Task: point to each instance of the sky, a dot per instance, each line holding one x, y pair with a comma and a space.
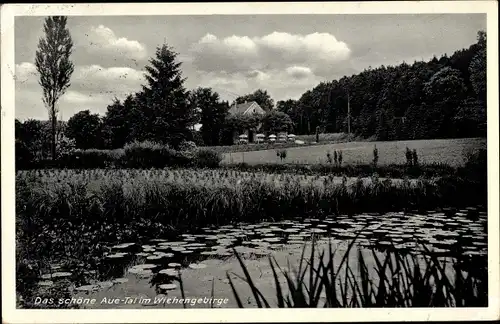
234, 55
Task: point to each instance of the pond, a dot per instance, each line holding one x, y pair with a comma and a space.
144, 274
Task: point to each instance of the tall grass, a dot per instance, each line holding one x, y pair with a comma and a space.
394, 280
179, 198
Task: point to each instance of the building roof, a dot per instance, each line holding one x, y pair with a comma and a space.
241, 108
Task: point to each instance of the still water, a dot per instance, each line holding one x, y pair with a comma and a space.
145, 274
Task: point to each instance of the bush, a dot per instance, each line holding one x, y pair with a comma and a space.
207, 158
281, 154
24, 157
152, 155
415, 157
476, 165
409, 156
89, 159
329, 157
188, 146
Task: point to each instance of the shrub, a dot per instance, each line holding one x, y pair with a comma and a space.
90, 159
207, 158
409, 156
281, 154
476, 164
340, 158
24, 157
151, 155
415, 157
375, 156
329, 157
65, 146
188, 146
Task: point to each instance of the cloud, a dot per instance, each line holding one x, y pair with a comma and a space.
92, 87
102, 40
299, 72
89, 77
26, 72
278, 83
320, 52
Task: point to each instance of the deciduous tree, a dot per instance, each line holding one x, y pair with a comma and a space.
54, 67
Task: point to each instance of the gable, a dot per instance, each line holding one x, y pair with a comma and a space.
240, 108
255, 109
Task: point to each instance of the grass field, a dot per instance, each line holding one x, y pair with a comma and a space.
309, 140
448, 151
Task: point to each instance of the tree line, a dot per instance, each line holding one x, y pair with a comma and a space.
444, 97
441, 98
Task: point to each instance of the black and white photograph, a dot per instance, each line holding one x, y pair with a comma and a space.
160, 158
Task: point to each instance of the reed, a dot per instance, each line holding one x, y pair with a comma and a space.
395, 280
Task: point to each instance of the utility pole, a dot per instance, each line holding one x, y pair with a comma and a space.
348, 114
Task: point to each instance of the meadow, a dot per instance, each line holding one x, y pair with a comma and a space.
69, 218
444, 151
308, 140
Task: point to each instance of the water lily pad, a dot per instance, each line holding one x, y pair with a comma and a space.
169, 272
169, 286
145, 266
122, 246
174, 265
61, 274
197, 266
154, 257
120, 280
291, 230
178, 248
261, 253
116, 256
87, 288
46, 283
142, 254
208, 253
272, 239
195, 245
105, 284
145, 273
475, 253
384, 243
295, 242
187, 251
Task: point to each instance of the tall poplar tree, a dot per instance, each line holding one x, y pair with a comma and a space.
54, 68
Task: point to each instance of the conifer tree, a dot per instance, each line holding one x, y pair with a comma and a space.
167, 114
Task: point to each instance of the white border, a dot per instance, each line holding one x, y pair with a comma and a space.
12, 315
